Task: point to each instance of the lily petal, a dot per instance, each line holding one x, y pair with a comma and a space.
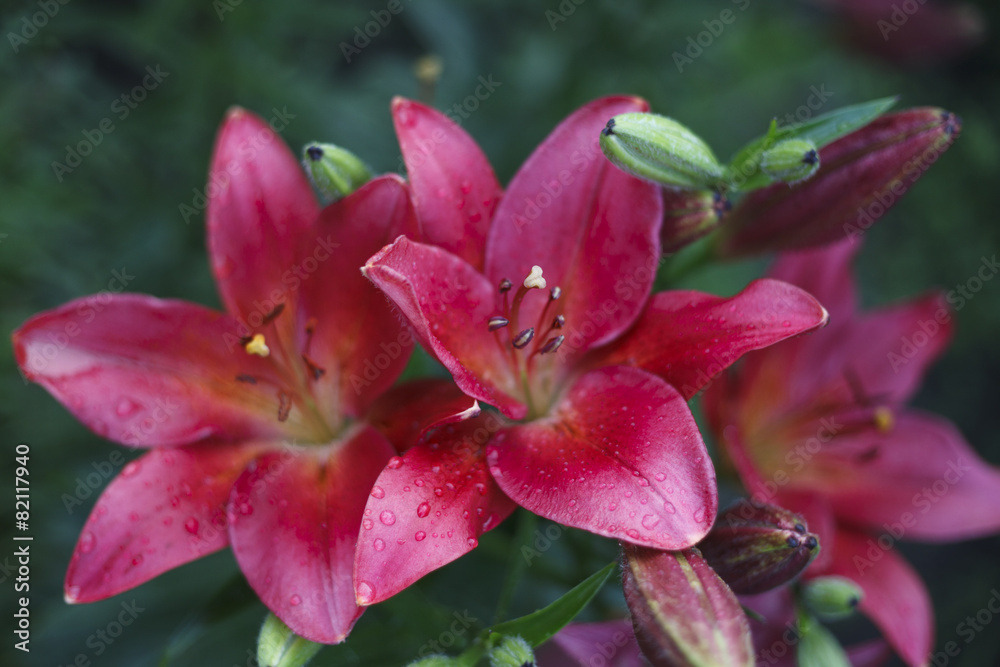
825, 273
921, 479
620, 456
448, 304
260, 206
689, 338
166, 508
356, 337
294, 519
454, 189
592, 228
610, 643
405, 411
143, 371
427, 508
869, 654
895, 599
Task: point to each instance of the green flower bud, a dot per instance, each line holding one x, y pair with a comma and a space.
512, 651
435, 661
790, 161
818, 647
335, 172
832, 598
661, 150
278, 646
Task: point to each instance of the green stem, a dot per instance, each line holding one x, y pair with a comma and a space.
526, 526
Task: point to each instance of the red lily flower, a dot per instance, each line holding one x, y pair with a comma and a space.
541, 308
818, 425
256, 415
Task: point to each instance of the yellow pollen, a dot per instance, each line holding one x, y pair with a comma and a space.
256, 345
884, 420
535, 279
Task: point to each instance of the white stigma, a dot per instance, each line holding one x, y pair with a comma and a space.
535, 279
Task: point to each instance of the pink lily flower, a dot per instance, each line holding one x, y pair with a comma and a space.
537, 301
819, 425
255, 418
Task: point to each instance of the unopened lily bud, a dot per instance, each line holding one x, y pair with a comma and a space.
790, 161
757, 548
861, 176
831, 598
661, 150
335, 172
512, 652
688, 215
683, 614
278, 646
818, 647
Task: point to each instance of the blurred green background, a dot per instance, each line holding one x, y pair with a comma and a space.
63, 235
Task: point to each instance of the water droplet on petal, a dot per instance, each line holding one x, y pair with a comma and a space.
379, 544
669, 507
423, 509
365, 592
368, 524
295, 600
481, 488
130, 469
633, 533
137, 560
649, 521
472, 542
378, 492
419, 536
438, 491
191, 525
394, 463
126, 407
87, 541
418, 482
660, 476
699, 515
387, 517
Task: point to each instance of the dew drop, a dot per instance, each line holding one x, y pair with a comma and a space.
245, 509
660, 476
378, 492
419, 536
387, 517
137, 560
87, 541
612, 507
633, 533
669, 507
786, 323
423, 509
368, 524
699, 516
295, 600
394, 463
130, 469
366, 592
481, 488
191, 525
472, 542
438, 491
126, 407
379, 544
649, 521
418, 482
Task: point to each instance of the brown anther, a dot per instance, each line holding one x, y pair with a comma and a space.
315, 370
523, 338
249, 379
311, 326
552, 344
555, 293
497, 322
559, 322
505, 285
284, 406
273, 314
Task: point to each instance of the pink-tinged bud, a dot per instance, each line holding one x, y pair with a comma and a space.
688, 215
861, 176
757, 548
683, 614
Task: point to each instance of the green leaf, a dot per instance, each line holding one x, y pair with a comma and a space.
829, 127
537, 627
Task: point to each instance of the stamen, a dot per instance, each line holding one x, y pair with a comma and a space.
523, 338
315, 370
552, 344
535, 279
284, 406
249, 379
555, 293
559, 322
273, 314
505, 286
498, 323
884, 419
257, 346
